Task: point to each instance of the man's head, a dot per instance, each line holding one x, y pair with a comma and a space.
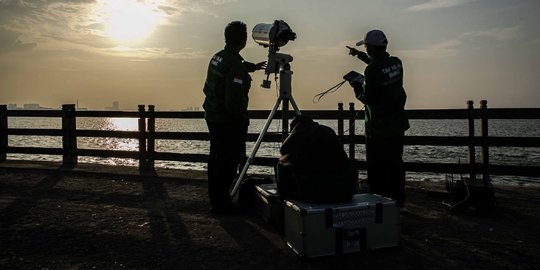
375, 41
236, 35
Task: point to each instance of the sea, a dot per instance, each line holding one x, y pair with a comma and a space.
412, 153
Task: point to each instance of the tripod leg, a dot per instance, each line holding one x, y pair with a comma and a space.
293, 103
255, 148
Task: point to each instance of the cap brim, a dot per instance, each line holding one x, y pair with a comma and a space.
360, 43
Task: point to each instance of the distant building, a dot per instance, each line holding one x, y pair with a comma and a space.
31, 106
115, 106
191, 109
34, 106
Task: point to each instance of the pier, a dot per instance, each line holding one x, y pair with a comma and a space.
71, 215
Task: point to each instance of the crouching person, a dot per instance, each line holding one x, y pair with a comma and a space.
313, 166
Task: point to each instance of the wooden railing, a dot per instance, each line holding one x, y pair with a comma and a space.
147, 136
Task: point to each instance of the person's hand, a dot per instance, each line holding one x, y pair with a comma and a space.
353, 51
356, 84
261, 65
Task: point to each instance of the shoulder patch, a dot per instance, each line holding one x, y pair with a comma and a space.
238, 80
216, 60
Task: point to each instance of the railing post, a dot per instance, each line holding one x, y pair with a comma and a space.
69, 136
351, 131
472, 153
142, 138
485, 144
340, 123
151, 147
3, 133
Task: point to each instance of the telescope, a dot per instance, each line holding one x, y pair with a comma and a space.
274, 35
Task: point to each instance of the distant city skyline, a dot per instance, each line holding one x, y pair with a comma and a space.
115, 107
157, 51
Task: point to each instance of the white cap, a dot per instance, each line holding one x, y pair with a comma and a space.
375, 38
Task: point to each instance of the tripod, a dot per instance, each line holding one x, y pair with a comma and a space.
285, 96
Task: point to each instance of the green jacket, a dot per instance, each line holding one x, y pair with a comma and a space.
384, 97
226, 88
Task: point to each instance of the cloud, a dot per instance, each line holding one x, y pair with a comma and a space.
438, 4
142, 54
9, 42
500, 34
443, 49
449, 48
534, 41
80, 25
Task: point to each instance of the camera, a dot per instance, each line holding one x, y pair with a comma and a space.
273, 35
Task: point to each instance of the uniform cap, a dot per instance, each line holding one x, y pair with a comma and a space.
375, 38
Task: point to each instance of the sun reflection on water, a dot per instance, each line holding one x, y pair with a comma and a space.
125, 124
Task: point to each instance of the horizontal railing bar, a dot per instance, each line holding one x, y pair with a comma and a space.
179, 157
276, 137
108, 134
437, 140
34, 113
514, 170
493, 113
514, 113
32, 150
202, 136
180, 115
437, 114
108, 153
260, 161
111, 114
34, 132
514, 141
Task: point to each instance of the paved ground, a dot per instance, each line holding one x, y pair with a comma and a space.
102, 217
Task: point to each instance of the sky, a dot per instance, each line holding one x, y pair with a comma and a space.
94, 52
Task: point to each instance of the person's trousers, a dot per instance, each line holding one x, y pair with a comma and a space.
227, 141
385, 169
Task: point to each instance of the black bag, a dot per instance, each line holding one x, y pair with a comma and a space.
246, 193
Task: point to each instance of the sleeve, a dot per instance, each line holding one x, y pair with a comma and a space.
364, 57
250, 67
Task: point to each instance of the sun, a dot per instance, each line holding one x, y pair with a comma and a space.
129, 21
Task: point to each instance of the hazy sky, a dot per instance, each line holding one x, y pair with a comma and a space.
156, 52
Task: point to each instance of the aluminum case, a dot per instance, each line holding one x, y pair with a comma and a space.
368, 221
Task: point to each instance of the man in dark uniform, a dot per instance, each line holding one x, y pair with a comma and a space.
226, 89
385, 121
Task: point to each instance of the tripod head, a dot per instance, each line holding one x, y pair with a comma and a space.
277, 62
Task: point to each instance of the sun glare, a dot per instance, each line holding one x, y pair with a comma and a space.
128, 124
129, 21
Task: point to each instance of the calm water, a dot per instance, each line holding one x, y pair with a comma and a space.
447, 154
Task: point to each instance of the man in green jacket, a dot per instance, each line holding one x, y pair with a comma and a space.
385, 121
226, 89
